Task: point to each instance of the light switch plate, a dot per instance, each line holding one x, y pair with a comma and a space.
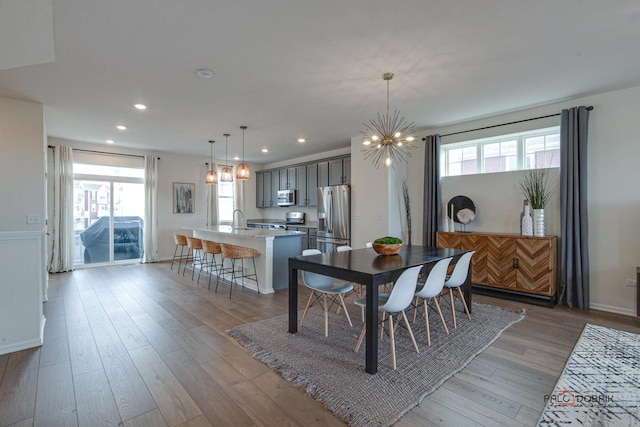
33, 219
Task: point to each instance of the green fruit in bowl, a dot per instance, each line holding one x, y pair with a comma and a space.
388, 240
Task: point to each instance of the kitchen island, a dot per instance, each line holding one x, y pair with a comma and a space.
275, 247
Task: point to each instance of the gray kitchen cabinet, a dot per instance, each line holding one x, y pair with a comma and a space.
275, 186
267, 187
307, 182
259, 190
323, 174
340, 171
287, 179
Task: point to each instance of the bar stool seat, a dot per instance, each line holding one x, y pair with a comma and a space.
181, 242
211, 263
235, 253
195, 249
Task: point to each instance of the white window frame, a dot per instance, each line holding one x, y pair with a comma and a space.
220, 197
480, 144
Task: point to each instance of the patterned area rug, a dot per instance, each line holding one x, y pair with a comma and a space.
330, 371
600, 385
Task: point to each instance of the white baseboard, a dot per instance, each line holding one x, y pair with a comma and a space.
17, 346
613, 309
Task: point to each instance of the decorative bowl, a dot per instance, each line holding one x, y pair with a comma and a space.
383, 249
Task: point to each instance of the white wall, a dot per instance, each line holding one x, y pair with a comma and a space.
22, 191
22, 144
613, 194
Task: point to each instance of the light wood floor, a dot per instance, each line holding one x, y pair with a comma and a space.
141, 345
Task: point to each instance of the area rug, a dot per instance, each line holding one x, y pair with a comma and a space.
330, 371
600, 384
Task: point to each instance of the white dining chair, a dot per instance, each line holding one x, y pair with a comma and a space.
326, 290
428, 291
455, 281
395, 302
359, 289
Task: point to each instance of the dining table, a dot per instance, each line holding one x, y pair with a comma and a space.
367, 268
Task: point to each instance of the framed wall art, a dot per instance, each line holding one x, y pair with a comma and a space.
183, 197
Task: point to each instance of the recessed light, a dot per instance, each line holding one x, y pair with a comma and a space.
301, 140
204, 73
110, 141
140, 106
121, 127
265, 150
236, 157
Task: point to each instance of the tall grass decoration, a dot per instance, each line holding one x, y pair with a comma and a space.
537, 187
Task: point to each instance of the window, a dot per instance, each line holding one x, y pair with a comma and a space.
225, 201
524, 150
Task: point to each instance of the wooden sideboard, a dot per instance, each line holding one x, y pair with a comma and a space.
511, 264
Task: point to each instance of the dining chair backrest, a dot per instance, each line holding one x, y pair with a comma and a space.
460, 271
435, 280
403, 290
315, 280
344, 248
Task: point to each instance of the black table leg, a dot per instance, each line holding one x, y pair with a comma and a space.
466, 288
293, 300
371, 338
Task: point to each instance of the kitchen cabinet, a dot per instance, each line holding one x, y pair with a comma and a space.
307, 182
509, 262
304, 178
259, 190
323, 174
275, 186
337, 174
287, 179
267, 189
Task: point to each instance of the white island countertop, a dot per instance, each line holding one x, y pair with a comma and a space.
275, 248
248, 232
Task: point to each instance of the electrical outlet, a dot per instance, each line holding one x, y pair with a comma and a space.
33, 219
630, 282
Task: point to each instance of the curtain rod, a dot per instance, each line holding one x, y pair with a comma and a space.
105, 152
504, 124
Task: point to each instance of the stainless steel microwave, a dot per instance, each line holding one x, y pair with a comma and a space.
286, 197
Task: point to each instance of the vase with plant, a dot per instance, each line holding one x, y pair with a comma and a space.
537, 188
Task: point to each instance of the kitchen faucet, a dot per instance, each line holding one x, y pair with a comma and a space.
233, 218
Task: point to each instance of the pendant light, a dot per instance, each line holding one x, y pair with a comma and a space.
385, 137
226, 175
243, 173
212, 175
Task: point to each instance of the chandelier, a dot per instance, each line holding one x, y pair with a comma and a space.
226, 175
386, 137
212, 176
242, 172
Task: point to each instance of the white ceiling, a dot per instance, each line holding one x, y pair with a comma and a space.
305, 68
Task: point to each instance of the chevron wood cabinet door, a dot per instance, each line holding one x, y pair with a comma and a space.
523, 264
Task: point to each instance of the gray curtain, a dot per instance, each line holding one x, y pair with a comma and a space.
574, 233
432, 209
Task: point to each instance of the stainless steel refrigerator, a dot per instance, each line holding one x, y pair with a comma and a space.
334, 217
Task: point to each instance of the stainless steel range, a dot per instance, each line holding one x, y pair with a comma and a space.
292, 218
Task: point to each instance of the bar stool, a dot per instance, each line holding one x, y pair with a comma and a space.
241, 253
195, 249
181, 242
213, 249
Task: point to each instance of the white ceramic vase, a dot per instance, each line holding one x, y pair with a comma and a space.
526, 225
538, 222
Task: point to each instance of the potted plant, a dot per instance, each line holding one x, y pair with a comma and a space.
537, 188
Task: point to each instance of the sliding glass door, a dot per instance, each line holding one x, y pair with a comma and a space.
108, 215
